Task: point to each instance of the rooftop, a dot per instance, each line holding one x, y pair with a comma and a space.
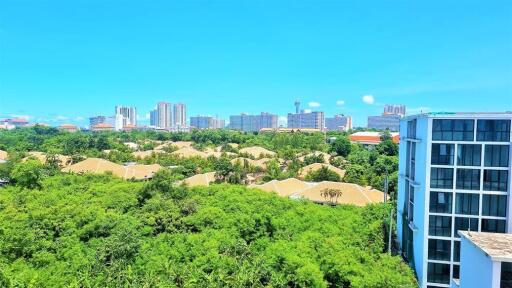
496, 245
441, 114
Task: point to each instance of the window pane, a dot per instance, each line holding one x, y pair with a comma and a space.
452, 130
440, 202
493, 130
439, 249
441, 178
438, 273
466, 203
496, 155
442, 154
496, 180
440, 226
456, 251
493, 225
456, 271
494, 205
468, 179
506, 274
464, 224
469, 155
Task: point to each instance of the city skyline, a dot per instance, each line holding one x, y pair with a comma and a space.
234, 57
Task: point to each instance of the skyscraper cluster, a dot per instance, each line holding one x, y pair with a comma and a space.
169, 116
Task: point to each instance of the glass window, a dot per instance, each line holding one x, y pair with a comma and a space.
439, 249
411, 129
496, 155
456, 251
442, 154
440, 226
494, 205
469, 154
506, 275
438, 273
493, 130
456, 271
452, 130
464, 224
466, 203
493, 225
440, 202
468, 179
496, 180
441, 178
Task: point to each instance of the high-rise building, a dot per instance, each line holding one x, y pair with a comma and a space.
164, 115
128, 115
307, 120
338, 123
93, 121
297, 106
153, 118
253, 123
180, 115
206, 122
394, 110
454, 175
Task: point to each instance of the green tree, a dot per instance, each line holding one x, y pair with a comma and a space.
341, 146
323, 174
28, 174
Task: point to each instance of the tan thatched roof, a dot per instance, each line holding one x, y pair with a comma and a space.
351, 194
296, 189
131, 145
257, 151
285, 187
98, 166
187, 152
144, 154
41, 156
317, 166
324, 155
3, 155
200, 179
178, 144
261, 163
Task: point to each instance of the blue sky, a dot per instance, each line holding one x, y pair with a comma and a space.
63, 61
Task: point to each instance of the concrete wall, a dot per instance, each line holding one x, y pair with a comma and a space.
477, 270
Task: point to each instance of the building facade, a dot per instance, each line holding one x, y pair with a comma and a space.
338, 123
179, 115
252, 123
206, 122
394, 110
128, 115
164, 115
384, 122
311, 120
454, 175
153, 118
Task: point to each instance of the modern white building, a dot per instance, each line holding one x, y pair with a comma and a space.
128, 115
307, 119
252, 123
393, 109
164, 115
455, 175
179, 115
485, 260
206, 122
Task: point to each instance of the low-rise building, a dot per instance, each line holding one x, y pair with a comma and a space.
371, 138
102, 127
68, 127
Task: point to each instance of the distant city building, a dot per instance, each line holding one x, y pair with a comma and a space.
384, 122
102, 127
68, 127
297, 106
11, 123
371, 138
289, 130
310, 120
153, 118
253, 123
338, 123
164, 115
455, 180
128, 114
180, 115
394, 110
206, 122
93, 121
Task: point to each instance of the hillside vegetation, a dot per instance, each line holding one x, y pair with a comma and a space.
99, 231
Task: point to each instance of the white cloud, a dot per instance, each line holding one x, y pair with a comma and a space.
79, 118
368, 99
314, 104
26, 117
340, 102
307, 110
60, 118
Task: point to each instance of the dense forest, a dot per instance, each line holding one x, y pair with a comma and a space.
98, 231
65, 230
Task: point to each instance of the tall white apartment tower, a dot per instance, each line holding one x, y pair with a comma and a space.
454, 175
129, 114
164, 115
180, 115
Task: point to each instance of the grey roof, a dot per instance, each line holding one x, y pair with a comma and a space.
496, 245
